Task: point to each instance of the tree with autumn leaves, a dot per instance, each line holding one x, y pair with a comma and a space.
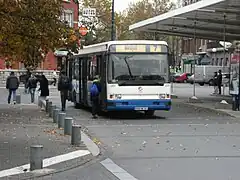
30, 28
100, 30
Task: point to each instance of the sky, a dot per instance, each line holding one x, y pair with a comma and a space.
120, 5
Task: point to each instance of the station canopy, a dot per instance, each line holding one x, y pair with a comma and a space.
206, 19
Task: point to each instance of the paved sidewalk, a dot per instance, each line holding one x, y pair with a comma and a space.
24, 125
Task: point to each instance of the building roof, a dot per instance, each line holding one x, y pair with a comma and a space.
205, 19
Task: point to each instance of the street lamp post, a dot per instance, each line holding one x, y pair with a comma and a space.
113, 22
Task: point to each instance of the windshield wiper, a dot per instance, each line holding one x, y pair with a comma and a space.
129, 69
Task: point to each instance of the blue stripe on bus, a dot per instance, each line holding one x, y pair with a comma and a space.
151, 104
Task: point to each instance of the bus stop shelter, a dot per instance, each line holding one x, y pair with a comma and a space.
206, 19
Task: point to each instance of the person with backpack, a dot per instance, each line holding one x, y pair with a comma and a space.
32, 85
64, 86
94, 93
12, 85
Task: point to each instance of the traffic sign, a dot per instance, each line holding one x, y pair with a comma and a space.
83, 30
89, 12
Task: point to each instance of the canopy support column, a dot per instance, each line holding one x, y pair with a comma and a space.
194, 98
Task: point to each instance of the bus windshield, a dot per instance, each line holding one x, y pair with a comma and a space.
135, 67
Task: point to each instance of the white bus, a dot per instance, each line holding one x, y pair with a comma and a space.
134, 75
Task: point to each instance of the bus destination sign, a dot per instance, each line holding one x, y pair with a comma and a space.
138, 48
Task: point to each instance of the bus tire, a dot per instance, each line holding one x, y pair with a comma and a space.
149, 113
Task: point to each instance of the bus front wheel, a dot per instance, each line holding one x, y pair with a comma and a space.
149, 113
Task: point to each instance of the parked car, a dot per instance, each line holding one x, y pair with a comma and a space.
182, 78
225, 79
173, 76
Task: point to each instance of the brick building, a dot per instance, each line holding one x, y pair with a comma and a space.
70, 15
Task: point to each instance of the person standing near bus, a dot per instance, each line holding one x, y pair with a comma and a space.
32, 85
95, 92
219, 82
64, 86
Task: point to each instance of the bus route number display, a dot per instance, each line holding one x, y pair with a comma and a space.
136, 48
130, 48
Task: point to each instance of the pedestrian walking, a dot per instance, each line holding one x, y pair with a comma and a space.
44, 90
12, 85
28, 75
32, 85
215, 86
54, 77
95, 92
219, 82
64, 85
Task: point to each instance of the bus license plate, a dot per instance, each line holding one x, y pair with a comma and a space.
141, 108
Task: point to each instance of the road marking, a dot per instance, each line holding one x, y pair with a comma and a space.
139, 125
116, 170
46, 162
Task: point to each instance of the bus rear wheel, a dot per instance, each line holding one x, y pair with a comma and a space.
149, 113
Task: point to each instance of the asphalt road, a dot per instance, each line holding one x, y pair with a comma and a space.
185, 143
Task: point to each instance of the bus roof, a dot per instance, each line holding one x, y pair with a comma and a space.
101, 47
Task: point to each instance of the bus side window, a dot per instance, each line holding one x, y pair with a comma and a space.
92, 66
89, 70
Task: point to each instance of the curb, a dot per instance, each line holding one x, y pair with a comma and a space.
67, 165
92, 147
54, 169
219, 111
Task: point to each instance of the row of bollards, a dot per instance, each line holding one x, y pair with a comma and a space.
63, 122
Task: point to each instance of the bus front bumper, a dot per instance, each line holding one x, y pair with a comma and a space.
139, 105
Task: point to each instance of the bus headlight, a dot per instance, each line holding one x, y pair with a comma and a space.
118, 96
162, 96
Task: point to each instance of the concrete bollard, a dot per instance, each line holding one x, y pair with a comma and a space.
68, 125
61, 118
36, 157
52, 107
76, 135
55, 115
48, 106
18, 99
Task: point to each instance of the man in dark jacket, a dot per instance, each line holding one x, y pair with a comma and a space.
32, 85
219, 81
28, 75
12, 85
64, 85
215, 83
95, 92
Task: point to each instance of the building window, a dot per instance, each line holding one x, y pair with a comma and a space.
221, 62
226, 62
67, 16
216, 63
